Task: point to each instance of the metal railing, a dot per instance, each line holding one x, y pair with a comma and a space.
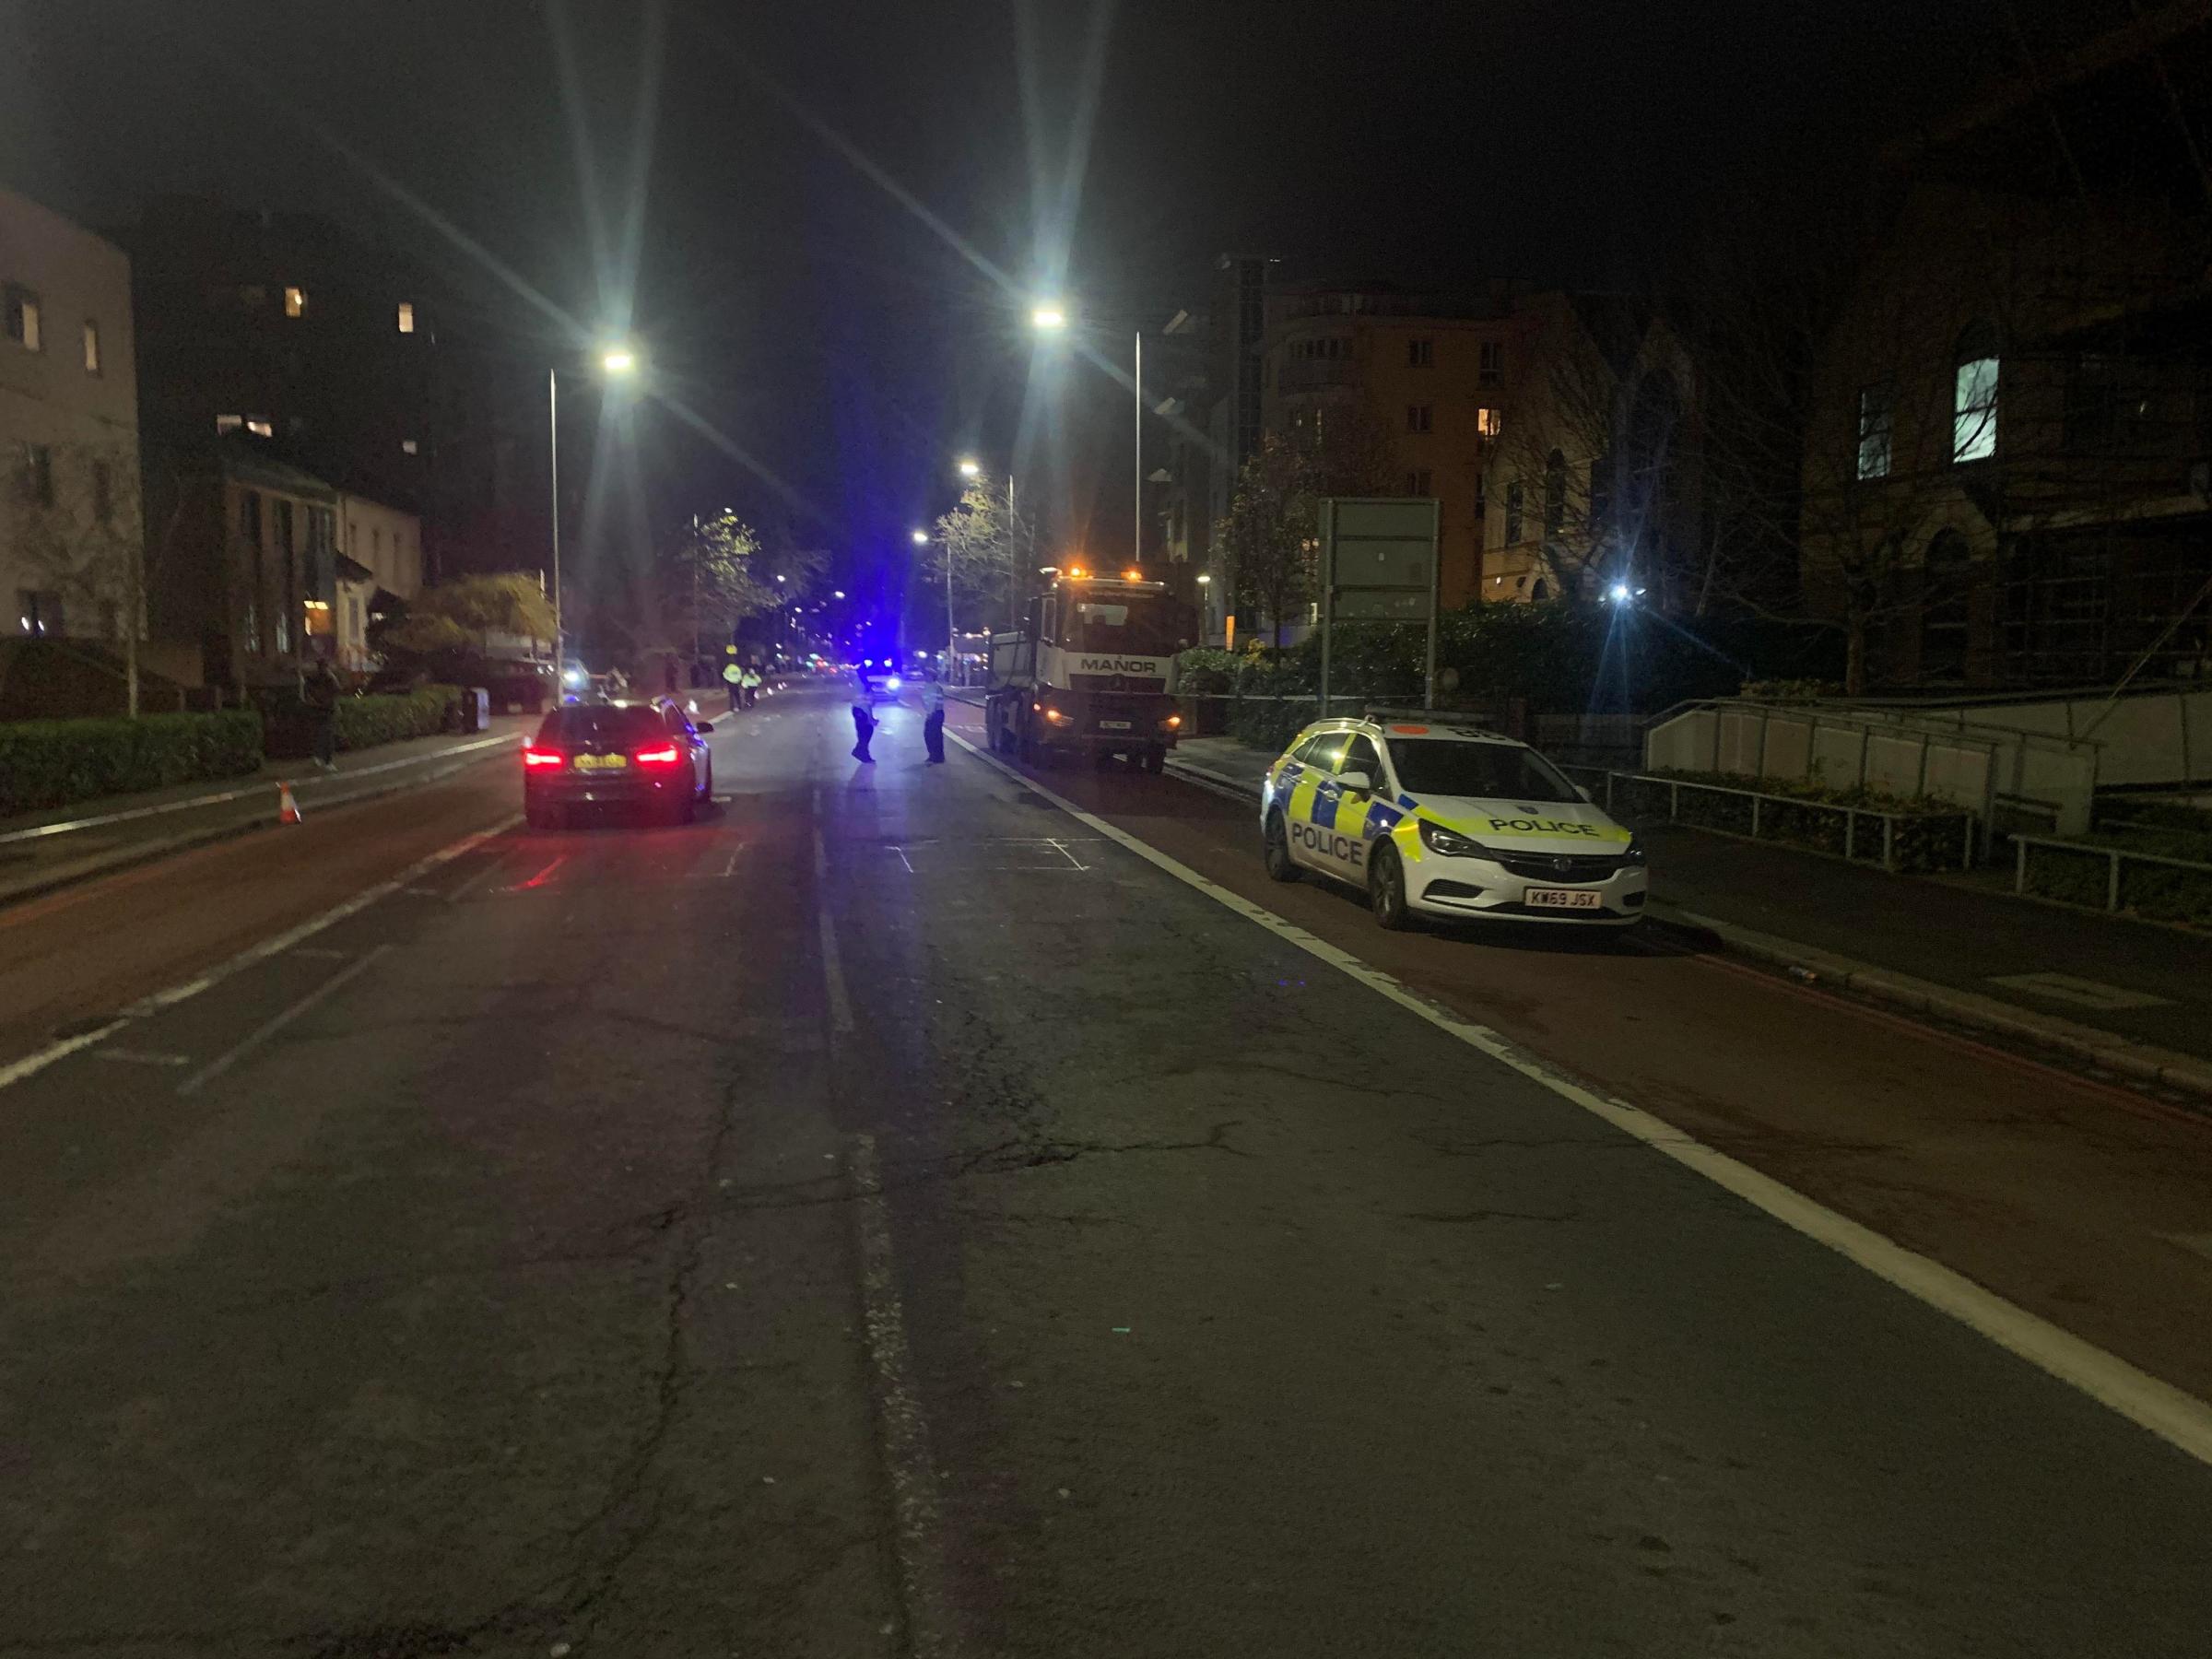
1859, 823
2117, 859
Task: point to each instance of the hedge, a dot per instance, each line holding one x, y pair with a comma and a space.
48, 763
363, 722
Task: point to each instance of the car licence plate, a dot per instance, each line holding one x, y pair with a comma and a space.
1114, 725
601, 762
1564, 898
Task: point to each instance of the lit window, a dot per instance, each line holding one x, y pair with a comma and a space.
91, 346
261, 429
1975, 395
407, 446
295, 302
229, 423
406, 316
23, 313
1488, 422
1492, 363
1876, 430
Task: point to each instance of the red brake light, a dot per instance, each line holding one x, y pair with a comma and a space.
534, 756
660, 756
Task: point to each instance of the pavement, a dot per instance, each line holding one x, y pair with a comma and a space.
930, 1211
2133, 997
40, 851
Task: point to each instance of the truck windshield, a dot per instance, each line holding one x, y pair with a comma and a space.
1150, 625
1486, 772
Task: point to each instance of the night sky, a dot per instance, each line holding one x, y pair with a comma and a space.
691, 166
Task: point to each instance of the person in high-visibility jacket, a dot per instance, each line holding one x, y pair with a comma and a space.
734, 677
753, 681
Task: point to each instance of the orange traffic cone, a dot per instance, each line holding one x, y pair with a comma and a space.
287, 809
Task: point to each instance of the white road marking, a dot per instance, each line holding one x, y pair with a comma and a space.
2199, 1244
32, 1064
141, 1056
904, 1431
277, 1022
2084, 992
2180, 1419
834, 970
322, 952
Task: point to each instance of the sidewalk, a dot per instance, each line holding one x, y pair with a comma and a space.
43, 849
2134, 997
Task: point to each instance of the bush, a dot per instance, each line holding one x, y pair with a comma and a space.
2156, 893
54, 762
363, 722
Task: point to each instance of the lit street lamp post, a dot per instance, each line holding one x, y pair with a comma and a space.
1053, 319
616, 362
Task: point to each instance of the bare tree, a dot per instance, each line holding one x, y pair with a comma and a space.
1270, 537
71, 512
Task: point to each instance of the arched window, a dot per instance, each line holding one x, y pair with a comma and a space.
1975, 395
1541, 591
1555, 497
1946, 585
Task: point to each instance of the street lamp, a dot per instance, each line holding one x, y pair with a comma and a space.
1053, 319
971, 468
617, 362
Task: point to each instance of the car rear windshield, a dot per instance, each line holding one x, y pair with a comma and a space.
581, 723
1441, 766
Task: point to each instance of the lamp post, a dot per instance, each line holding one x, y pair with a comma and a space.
616, 362
1053, 319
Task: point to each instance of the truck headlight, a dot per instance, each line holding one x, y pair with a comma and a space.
1056, 717
1450, 843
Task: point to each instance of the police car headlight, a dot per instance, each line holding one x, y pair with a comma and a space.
1632, 855
1448, 843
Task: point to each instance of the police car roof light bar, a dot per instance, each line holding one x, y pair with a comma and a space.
1473, 719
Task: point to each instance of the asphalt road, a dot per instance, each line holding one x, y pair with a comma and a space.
892, 1216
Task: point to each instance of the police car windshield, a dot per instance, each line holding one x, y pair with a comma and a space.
1440, 766
1145, 625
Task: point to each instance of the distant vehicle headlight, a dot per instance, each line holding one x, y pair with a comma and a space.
893, 682
574, 676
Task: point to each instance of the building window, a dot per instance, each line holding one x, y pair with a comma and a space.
1555, 498
103, 492
38, 612
1541, 591
281, 522
34, 474
1946, 583
1417, 482
229, 423
1975, 395
1420, 354
295, 302
1482, 495
1513, 513
1490, 367
259, 427
406, 316
407, 446
91, 346
1420, 417
249, 518
1488, 423
23, 313
1877, 428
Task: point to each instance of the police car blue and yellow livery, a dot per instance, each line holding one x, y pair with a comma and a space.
1445, 820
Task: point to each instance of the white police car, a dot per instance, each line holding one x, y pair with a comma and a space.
1444, 820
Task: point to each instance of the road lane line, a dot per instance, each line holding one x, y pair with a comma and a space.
2178, 1417
32, 1064
833, 970
277, 1022
141, 1057
902, 1430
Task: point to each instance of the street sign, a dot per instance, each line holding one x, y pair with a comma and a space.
1378, 564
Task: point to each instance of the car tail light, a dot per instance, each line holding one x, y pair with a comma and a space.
659, 756
534, 756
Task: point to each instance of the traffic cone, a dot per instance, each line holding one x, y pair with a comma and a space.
287, 809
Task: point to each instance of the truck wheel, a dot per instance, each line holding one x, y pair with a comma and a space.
1025, 745
1276, 840
1100, 760
1156, 759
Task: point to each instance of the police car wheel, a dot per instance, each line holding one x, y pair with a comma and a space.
1155, 760
1386, 892
1277, 839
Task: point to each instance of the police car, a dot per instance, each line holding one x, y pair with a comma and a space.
1433, 819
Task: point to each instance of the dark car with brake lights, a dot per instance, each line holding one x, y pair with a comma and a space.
649, 756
